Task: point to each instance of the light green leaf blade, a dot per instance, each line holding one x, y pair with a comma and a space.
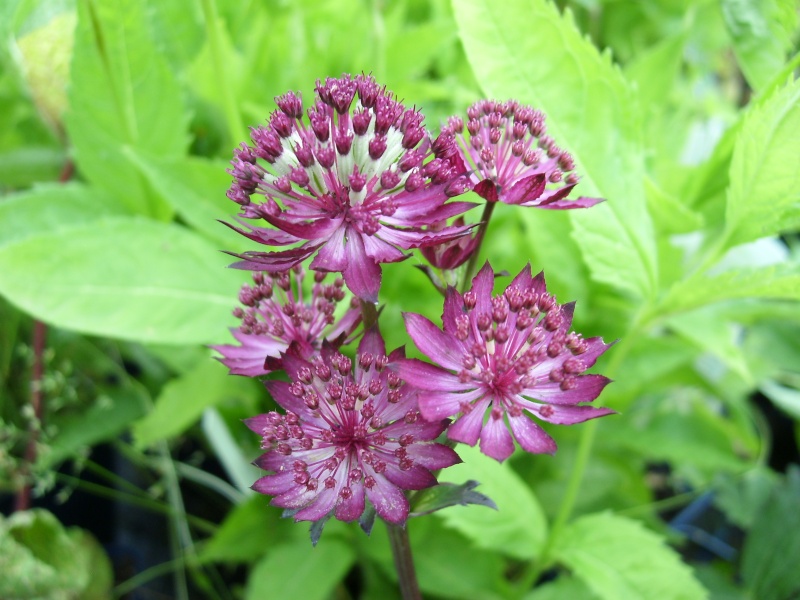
781, 281
761, 31
764, 192
591, 111
195, 188
52, 207
518, 526
621, 560
298, 570
183, 400
122, 93
126, 278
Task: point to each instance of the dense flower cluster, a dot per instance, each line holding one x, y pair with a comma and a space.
352, 431
354, 185
512, 159
505, 356
276, 315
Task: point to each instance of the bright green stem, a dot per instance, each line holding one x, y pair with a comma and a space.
236, 129
469, 273
404, 562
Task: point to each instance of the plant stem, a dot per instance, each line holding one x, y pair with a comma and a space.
23, 499
404, 562
398, 536
469, 272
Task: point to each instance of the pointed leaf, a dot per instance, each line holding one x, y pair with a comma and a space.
590, 111
449, 494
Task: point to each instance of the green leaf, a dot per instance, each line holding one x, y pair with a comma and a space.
297, 570
619, 559
656, 70
742, 497
42, 559
762, 33
50, 208
183, 400
518, 526
780, 281
195, 188
705, 329
670, 214
561, 588
785, 398
240, 537
769, 556
125, 278
590, 111
764, 191
122, 94
449, 494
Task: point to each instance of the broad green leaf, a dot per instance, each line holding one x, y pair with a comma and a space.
713, 334
298, 570
785, 398
742, 497
590, 111
685, 430
42, 559
122, 94
183, 400
762, 32
126, 278
518, 526
240, 537
764, 192
670, 214
51, 207
656, 70
619, 559
778, 281
769, 556
560, 589
195, 188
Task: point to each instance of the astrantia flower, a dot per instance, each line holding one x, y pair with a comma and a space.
276, 314
512, 159
501, 357
352, 431
353, 184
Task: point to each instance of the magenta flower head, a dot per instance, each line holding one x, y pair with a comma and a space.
354, 185
512, 159
352, 432
499, 358
277, 314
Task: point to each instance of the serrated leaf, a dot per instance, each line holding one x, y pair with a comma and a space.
778, 281
761, 31
590, 111
122, 93
517, 528
126, 278
769, 556
764, 192
183, 400
619, 559
298, 570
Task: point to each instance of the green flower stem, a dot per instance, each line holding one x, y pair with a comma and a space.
236, 129
469, 272
404, 562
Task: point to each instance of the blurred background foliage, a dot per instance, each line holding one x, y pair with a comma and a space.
117, 120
